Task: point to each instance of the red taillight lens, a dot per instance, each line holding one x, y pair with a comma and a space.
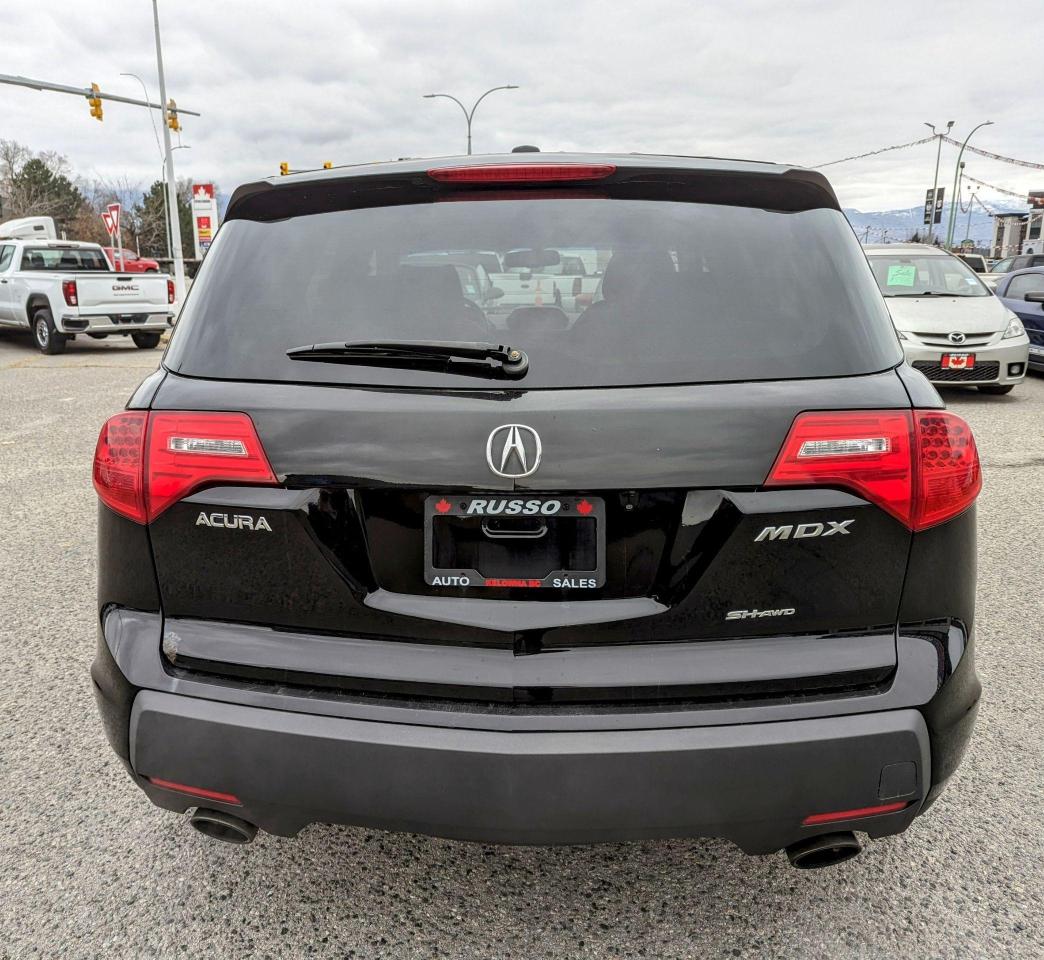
921, 466
949, 476
69, 292
189, 450
170, 291
523, 173
856, 814
145, 462
119, 460
867, 452
200, 792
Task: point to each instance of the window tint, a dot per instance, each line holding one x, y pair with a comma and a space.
596, 291
1028, 283
6, 256
63, 259
909, 276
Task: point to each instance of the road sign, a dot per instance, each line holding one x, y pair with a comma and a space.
936, 206
111, 219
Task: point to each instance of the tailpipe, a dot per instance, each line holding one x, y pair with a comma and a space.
219, 825
826, 850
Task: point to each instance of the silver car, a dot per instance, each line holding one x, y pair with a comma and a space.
952, 327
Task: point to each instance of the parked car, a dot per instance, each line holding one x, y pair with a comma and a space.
132, 263
951, 326
1008, 264
976, 261
700, 561
1022, 292
59, 290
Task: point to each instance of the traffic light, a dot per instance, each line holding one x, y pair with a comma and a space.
95, 102
172, 117
284, 169
327, 164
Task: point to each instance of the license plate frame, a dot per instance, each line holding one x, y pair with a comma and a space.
448, 517
957, 361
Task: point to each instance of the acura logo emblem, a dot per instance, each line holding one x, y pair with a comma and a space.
957, 337
513, 451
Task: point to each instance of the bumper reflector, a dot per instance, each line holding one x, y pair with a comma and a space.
200, 792
858, 813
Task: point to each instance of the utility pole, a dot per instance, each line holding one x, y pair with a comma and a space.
971, 205
469, 115
172, 188
956, 172
935, 179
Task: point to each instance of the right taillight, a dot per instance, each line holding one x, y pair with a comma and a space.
170, 291
921, 466
145, 462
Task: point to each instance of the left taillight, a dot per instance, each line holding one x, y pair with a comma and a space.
170, 291
145, 462
119, 460
70, 293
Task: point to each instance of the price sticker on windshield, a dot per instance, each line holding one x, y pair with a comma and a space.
902, 275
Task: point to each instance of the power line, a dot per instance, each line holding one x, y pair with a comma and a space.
997, 156
874, 153
996, 189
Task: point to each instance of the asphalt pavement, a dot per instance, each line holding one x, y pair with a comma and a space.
88, 868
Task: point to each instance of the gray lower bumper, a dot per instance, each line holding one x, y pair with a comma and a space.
153, 322
751, 783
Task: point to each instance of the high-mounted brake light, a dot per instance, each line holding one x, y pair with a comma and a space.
70, 293
523, 173
921, 466
145, 462
170, 291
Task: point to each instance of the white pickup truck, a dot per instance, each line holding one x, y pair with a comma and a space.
59, 289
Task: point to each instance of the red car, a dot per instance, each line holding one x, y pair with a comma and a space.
132, 263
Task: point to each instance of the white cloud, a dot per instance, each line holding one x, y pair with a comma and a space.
803, 82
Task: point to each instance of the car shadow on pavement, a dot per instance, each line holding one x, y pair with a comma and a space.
655, 899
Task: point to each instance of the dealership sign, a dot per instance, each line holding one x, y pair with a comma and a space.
204, 217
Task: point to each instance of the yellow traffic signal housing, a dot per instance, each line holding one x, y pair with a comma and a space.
284, 169
95, 102
172, 116
327, 165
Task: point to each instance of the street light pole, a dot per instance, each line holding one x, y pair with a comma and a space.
163, 175
172, 189
956, 173
935, 180
971, 206
469, 115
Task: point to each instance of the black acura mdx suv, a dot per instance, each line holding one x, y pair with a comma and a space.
658, 537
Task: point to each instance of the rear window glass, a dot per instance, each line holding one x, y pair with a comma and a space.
597, 292
63, 260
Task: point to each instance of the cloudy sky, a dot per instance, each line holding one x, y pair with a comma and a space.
801, 81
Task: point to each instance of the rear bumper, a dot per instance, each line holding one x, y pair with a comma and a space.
152, 322
750, 773
752, 784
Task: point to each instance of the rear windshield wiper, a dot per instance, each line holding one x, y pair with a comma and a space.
491, 360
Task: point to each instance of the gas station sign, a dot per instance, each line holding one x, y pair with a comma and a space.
204, 217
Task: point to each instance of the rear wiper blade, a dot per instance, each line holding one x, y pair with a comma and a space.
476, 359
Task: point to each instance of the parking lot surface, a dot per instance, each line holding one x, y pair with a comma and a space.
89, 868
